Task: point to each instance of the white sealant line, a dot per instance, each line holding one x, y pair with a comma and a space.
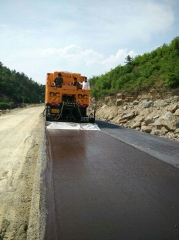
72, 126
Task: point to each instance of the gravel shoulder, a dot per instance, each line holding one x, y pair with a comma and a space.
21, 136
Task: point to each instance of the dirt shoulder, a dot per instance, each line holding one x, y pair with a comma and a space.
20, 139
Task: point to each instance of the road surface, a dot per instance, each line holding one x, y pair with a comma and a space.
111, 184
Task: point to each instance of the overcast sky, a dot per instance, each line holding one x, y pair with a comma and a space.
83, 36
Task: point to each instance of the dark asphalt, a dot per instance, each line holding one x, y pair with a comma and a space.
99, 187
164, 149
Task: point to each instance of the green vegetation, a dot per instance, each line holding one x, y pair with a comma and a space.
157, 69
4, 105
16, 88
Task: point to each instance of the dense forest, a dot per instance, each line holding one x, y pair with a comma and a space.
16, 89
158, 69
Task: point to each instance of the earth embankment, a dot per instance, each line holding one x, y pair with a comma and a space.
20, 138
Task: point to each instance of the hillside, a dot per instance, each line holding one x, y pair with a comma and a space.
16, 88
143, 94
158, 69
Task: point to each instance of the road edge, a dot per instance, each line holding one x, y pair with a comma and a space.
37, 210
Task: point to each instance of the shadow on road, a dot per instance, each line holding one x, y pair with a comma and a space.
102, 124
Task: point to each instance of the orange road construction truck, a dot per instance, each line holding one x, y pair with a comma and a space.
67, 103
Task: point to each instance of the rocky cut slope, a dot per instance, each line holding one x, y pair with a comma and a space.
152, 113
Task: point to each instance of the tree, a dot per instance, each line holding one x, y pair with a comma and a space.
129, 59
17, 87
175, 43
